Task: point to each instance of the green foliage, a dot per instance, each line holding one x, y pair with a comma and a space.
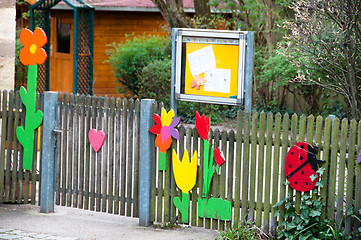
21, 70
155, 81
239, 231
308, 222
129, 58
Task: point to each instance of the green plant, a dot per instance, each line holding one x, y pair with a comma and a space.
129, 58
239, 231
308, 222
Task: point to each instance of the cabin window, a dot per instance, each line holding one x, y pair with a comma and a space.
63, 37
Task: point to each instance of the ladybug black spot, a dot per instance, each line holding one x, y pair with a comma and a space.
302, 172
291, 153
301, 157
306, 183
296, 183
302, 146
289, 166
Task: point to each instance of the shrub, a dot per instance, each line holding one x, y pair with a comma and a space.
129, 58
155, 81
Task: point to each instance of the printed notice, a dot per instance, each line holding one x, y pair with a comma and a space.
201, 60
218, 80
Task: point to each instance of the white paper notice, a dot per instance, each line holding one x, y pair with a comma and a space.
218, 80
201, 60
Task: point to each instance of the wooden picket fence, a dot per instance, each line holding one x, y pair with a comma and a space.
252, 177
16, 184
105, 181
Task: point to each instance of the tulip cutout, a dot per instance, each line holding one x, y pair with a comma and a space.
213, 207
165, 129
203, 125
185, 175
218, 157
32, 54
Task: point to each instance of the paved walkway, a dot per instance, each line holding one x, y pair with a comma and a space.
20, 221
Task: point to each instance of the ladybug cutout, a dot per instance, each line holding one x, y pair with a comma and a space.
300, 164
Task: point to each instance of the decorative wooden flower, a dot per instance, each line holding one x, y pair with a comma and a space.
203, 125
185, 175
218, 158
33, 53
165, 129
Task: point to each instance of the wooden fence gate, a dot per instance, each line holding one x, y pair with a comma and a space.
106, 180
16, 184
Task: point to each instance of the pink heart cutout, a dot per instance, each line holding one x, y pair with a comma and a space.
96, 139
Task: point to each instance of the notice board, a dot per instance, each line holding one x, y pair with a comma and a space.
210, 66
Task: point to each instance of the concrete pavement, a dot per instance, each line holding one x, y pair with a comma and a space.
21, 221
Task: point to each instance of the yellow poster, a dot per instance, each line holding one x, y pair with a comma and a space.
211, 69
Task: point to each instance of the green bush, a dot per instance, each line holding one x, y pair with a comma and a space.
155, 81
129, 58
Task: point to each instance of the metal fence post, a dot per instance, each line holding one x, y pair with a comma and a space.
48, 152
145, 161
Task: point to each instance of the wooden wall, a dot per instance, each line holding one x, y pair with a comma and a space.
112, 27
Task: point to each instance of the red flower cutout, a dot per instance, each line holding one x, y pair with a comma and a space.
32, 53
203, 125
163, 145
218, 156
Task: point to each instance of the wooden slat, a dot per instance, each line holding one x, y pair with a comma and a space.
15, 180
124, 156
88, 102
130, 156
275, 173
9, 141
261, 160
173, 188
252, 172
136, 160
333, 169
230, 167
357, 206
222, 188
64, 149
104, 170
326, 157
215, 178
237, 179
245, 166
301, 138
59, 133
293, 140
99, 156
350, 185
194, 195
111, 155
200, 176
76, 151
82, 151
70, 147
341, 171
267, 180
3, 145
21, 170
93, 156
282, 192
117, 155
154, 170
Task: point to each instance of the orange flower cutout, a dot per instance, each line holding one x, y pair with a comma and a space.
32, 53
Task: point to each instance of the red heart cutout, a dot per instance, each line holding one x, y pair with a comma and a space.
96, 139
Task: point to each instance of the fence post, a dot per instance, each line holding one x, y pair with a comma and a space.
145, 161
48, 152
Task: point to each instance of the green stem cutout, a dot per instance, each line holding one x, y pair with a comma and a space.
33, 118
183, 206
162, 161
208, 168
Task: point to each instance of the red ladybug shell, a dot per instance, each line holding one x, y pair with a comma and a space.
300, 164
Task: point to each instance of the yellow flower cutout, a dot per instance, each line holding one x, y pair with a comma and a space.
185, 172
166, 118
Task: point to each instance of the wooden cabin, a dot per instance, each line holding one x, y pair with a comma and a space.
113, 20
